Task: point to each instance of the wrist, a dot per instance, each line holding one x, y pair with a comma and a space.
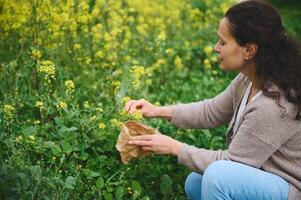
164, 112
176, 148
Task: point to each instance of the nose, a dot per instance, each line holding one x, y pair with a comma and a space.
217, 47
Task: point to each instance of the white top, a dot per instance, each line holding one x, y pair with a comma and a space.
243, 105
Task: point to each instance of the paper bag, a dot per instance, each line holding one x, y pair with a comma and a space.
128, 130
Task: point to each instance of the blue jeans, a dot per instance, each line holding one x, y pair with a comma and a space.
231, 180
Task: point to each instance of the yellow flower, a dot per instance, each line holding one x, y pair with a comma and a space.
115, 123
208, 50
86, 105
77, 46
62, 105
36, 122
162, 36
47, 67
36, 54
8, 111
123, 113
207, 64
39, 105
69, 86
213, 59
138, 71
101, 125
169, 51
32, 137
178, 62
137, 115
125, 100
19, 138
99, 109
99, 54
136, 83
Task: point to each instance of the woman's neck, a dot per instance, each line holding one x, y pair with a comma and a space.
249, 71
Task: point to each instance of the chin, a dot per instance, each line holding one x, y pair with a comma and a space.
223, 67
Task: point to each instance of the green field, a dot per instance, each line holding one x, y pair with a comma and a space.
68, 67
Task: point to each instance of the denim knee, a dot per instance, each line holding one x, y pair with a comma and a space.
214, 175
193, 185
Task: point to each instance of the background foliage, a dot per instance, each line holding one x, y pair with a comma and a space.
68, 67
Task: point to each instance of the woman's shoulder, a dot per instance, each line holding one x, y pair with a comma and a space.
273, 108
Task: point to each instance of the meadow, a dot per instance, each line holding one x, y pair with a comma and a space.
67, 69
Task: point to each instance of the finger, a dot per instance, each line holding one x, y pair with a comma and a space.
143, 137
140, 142
128, 105
137, 105
147, 148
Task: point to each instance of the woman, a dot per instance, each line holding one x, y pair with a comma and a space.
262, 105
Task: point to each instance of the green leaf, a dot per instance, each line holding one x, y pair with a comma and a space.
66, 147
136, 187
100, 183
36, 171
107, 195
56, 150
27, 196
31, 130
166, 184
119, 192
70, 182
91, 174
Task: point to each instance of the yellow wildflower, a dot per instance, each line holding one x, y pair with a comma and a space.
99, 109
48, 68
86, 105
138, 71
125, 100
8, 111
169, 51
136, 83
213, 59
178, 62
137, 115
19, 138
162, 36
115, 123
39, 105
207, 64
208, 50
32, 137
101, 125
62, 105
69, 86
36, 54
77, 46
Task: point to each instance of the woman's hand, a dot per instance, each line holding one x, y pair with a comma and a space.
147, 109
159, 144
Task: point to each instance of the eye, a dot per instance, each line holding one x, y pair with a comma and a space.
222, 43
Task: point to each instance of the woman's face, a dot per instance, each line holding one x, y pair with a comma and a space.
230, 54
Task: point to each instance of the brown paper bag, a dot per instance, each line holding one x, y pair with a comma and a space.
128, 130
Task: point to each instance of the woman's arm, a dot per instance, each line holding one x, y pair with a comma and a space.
209, 113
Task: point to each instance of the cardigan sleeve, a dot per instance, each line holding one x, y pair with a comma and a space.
208, 113
261, 133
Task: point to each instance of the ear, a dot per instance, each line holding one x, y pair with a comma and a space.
250, 50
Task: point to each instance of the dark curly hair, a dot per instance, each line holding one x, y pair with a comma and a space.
278, 57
